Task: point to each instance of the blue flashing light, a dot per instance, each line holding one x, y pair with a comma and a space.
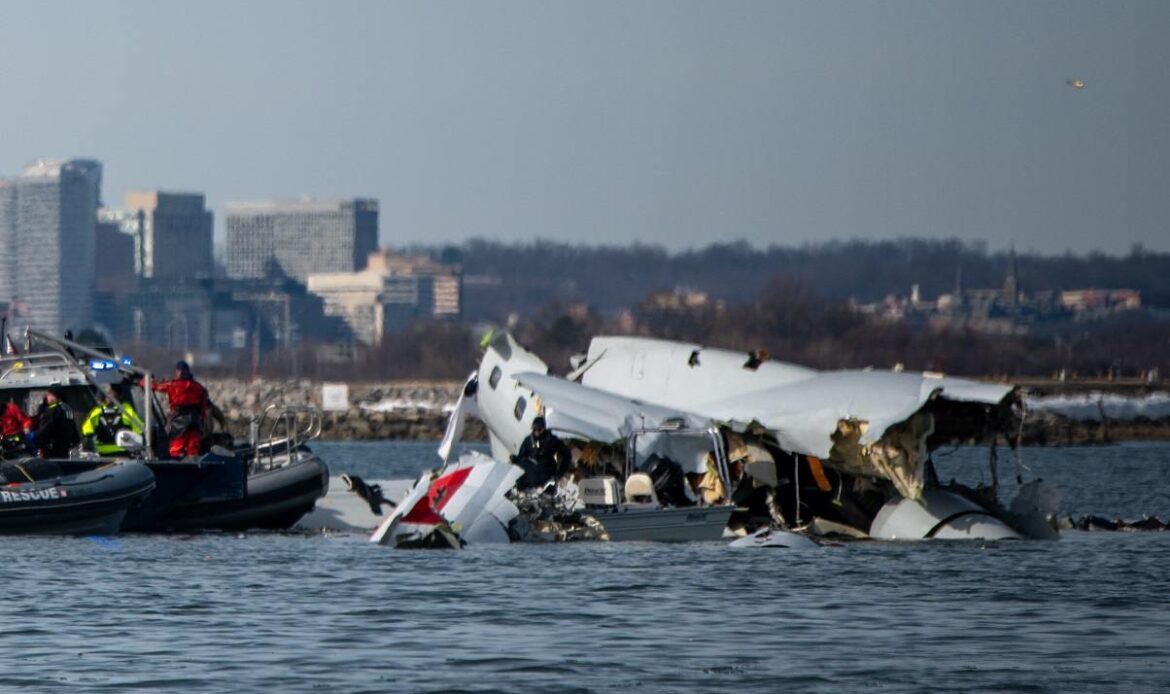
102, 364
127, 361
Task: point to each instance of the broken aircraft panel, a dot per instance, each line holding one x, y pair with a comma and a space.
875, 423
463, 502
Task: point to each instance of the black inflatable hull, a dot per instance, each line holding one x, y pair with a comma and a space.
89, 502
182, 484
275, 499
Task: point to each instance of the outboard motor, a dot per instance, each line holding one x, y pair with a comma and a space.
669, 481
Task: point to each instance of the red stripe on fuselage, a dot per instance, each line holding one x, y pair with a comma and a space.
445, 487
426, 510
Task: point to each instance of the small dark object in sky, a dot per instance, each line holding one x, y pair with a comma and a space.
694, 360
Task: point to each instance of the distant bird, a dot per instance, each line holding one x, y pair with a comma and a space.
1075, 83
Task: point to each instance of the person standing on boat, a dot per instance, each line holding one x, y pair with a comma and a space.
101, 426
189, 403
542, 456
56, 431
14, 429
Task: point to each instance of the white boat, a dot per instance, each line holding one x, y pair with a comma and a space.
641, 523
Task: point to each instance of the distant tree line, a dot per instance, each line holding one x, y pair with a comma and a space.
794, 323
523, 277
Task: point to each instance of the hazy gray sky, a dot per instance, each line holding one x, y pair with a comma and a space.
668, 122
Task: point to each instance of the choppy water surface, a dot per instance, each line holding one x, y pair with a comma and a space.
264, 612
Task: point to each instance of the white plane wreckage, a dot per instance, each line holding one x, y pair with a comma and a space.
680, 442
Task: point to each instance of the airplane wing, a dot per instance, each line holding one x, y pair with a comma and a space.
871, 423
598, 415
802, 406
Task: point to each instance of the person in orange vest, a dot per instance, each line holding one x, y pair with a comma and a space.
189, 403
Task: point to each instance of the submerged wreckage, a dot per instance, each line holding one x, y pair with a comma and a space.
680, 442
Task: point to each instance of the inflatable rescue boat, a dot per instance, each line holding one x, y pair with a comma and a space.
60, 498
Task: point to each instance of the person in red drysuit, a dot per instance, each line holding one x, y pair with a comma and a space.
14, 428
189, 404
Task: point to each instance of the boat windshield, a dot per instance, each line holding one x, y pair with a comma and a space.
79, 397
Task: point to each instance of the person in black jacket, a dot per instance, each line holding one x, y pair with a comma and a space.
542, 456
56, 431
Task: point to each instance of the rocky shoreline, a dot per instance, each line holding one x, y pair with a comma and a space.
401, 410
1049, 429
418, 410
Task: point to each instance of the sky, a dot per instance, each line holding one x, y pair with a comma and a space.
667, 122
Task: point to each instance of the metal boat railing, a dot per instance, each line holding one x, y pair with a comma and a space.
19, 365
279, 432
288, 427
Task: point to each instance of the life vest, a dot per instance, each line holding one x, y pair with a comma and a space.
103, 424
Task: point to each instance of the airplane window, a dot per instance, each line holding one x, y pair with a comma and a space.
521, 405
494, 378
499, 342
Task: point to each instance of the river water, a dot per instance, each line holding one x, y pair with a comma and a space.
285, 612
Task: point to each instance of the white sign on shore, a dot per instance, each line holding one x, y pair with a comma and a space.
334, 397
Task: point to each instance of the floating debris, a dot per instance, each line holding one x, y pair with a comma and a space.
1091, 522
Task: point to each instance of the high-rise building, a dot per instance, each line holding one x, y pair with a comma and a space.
171, 232
53, 238
297, 238
7, 240
114, 280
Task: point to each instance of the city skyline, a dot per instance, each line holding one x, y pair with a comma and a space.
220, 242
678, 124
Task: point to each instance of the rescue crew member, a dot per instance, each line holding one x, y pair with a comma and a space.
189, 403
542, 456
101, 427
14, 429
56, 431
